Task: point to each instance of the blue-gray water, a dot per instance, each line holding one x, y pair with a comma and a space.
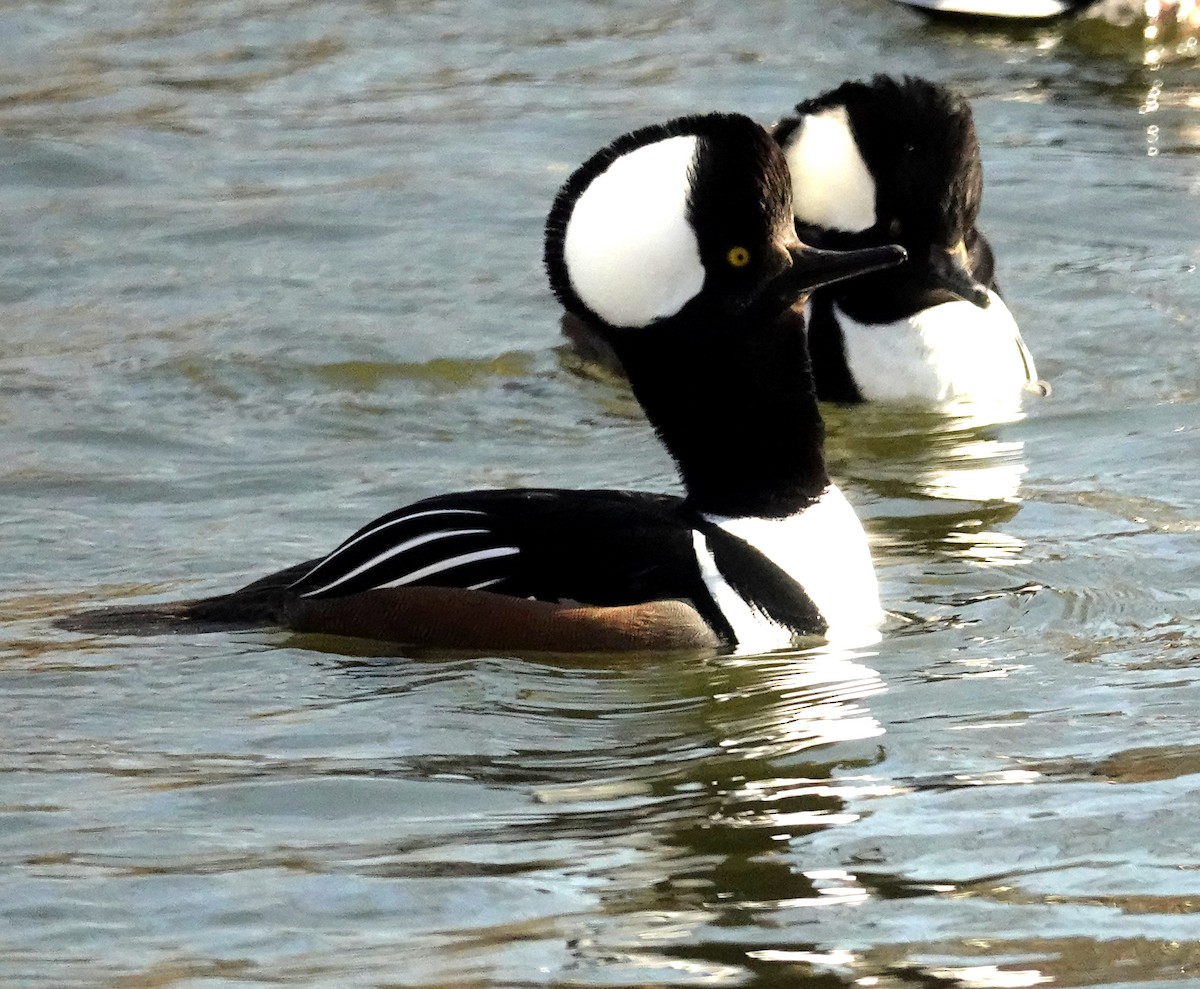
268, 269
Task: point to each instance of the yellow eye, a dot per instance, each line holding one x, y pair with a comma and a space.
738, 257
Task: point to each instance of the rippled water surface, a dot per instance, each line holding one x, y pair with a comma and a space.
270, 269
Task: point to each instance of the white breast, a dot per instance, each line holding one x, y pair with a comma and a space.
824, 549
947, 352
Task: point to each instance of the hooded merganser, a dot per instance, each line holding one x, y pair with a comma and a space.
898, 161
1009, 9
676, 243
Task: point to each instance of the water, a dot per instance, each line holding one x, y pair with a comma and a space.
270, 269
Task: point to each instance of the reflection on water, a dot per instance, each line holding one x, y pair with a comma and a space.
920, 453
671, 801
772, 754
932, 482
977, 469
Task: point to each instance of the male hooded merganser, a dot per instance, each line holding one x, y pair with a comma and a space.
898, 161
675, 242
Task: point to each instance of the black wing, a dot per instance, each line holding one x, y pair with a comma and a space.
594, 547
444, 545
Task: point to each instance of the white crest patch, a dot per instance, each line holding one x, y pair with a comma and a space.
630, 252
824, 549
831, 186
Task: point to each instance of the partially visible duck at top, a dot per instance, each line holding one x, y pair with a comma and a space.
897, 161
1025, 10
1162, 16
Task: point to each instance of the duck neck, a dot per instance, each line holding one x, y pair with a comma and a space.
740, 419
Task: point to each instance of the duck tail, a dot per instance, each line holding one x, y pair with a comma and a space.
259, 604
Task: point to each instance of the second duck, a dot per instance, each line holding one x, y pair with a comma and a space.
897, 161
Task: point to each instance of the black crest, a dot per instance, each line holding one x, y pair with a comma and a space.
918, 140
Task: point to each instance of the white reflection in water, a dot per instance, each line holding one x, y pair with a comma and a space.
991, 977
760, 709
960, 451
817, 703
978, 466
770, 756
978, 470
969, 977
841, 894
828, 959
986, 546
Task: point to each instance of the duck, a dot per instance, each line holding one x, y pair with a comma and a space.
898, 160
1159, 14
1027, 10
676, 244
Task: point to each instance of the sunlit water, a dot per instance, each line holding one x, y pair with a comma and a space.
270, 269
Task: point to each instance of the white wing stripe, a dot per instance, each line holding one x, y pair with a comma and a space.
413, 543
379, 528
452, 563
403, 518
